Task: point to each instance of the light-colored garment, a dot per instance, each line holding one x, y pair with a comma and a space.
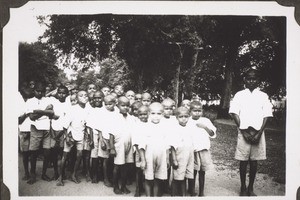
59, 109
42, 123
26, 124
75, 121
251, 107
202, 138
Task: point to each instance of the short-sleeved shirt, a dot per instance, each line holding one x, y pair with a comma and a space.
105, 122
42, 123
201, 134
251, 107
25, 125
75, 121
60, 109
138, 133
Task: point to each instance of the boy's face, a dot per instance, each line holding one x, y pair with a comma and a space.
183, 118
123, 107
143, 115
61, 94
138, 97
135, 111
91, 88
31, 84
73, 99
119, 90
105, 91
146, 101
97, 100
110, 105
196, 112
130, 96
155, 115
168, 111
39, 92
251, 81
186, 104
82, 97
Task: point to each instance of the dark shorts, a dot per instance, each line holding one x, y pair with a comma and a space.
39, 138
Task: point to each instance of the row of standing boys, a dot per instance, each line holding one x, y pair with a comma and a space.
168, 147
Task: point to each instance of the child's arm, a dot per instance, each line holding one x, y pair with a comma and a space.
236, 119
22, 118
143, 159
174, 158
90, 133
256, 138
112, 145
209, 131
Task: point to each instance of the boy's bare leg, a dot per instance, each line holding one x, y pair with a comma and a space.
182, 187
54, 159
149, 188
45, 164
157, 187
107, 183
116, 179
174, 188
201, 183
243, 172
191, 184
252, 174
59, 181
77, 163
124, 176
138, 179
25, 158
33, 157
95, 163
86, 160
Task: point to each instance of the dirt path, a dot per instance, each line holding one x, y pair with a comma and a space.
219, 182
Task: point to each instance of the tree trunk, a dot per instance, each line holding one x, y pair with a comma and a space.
140, 81
177, 76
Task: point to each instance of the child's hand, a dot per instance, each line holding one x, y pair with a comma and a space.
199, 125
247, 136
256, 138
91, 143
49, 107
113, 152
143, 165
175, 164
26, 135
103, 145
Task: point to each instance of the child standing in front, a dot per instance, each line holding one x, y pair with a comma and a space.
154, 152
182, 151
75, 125
203, 161
250, 109
137, 137
120, 145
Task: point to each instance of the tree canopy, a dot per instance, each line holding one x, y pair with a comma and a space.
177, 54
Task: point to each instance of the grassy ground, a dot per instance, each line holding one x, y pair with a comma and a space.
223, 149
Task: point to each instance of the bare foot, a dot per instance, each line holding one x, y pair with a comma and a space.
117, 191
107, 183
59, 182
125, 190
31, 180
94, 180
88, 178
75, 180
46, 178
26, 177
251, 193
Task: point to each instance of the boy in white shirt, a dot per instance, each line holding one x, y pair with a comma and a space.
39, 110
120, 145
137, 137
250, 109
75, 124
203, 161
182, 151
154, 152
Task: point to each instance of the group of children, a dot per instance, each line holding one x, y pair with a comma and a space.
164, 144
166, 147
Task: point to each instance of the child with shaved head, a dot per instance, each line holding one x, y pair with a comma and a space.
146, 99
137, 137
153, 151
120, 145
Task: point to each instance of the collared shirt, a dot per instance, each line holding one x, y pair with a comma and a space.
25, 125
251, 107
60, 109
42, 123
75, 121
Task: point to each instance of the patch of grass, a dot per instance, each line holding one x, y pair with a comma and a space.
223, 149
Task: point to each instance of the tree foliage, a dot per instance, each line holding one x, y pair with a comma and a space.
37, 62
191, 54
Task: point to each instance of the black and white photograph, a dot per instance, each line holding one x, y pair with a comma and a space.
151, 99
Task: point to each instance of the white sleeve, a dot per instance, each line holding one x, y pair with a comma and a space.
235, 105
